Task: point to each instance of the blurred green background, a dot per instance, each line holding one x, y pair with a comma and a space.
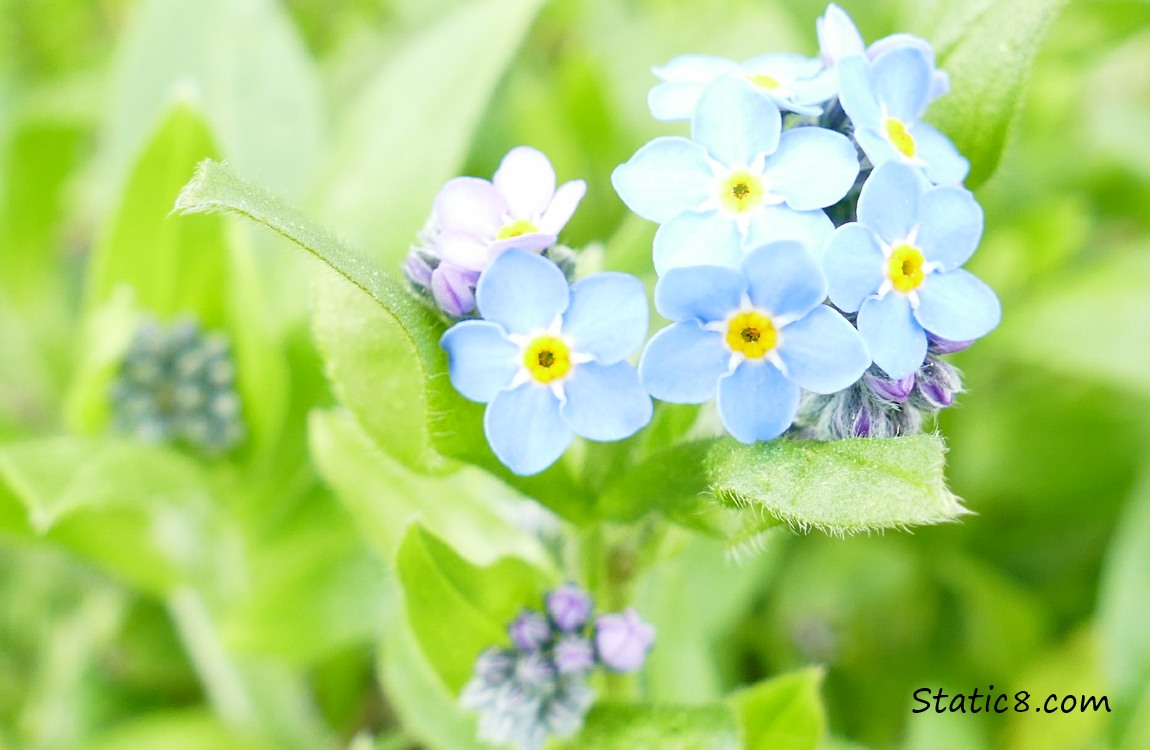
1045, 589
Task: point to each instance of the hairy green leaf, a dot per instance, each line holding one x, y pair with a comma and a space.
458, 609
409, 130
988, 49
783, 713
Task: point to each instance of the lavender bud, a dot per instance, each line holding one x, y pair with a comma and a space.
569, 607
574, 654
896, 391
530, 631
454, 289
535, 671
495, 665
862, 424
623, 640
938, 385
417, 270
944, 346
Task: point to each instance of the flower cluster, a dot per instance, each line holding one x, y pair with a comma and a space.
538, 687
803, 180
177, 384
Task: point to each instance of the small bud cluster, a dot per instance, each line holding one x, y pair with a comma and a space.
177, 384
538, 687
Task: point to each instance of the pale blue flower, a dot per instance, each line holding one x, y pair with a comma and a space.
839, 38
751, 337
899, 267
885, 100
550, 360
739, 183
793, 82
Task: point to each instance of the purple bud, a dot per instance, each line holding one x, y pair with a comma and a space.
417, 269
530, 631
944, 346
569, 607
574, 655
623, 640
454, 289
897, 391
495, 665
861, 426
937, 385
936, 395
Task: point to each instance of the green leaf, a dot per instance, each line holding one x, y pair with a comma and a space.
468, 509
247, 69
625, 727
457, 609
177, 730
1124, 607
142, 513
410, 128
845, 486
784, 713
988, 49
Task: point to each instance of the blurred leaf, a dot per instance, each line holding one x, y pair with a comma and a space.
468, 509
625, 727
988, 49
410, 128
783, 713
1120, 104
246, 67
945, 731
182, 730
1092, 324
1124, 609
137, 511
458, 609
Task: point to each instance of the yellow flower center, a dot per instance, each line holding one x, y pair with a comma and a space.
752, 334
547, 358
741, 191
904, 268
516, 228
764, 81
900, 137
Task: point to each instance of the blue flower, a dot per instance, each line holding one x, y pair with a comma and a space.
740, 183
753, 337
839, 38
885, 100
898, 266
793, 82
550, 360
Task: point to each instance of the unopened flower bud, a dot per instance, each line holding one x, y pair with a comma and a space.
574, 654
623, 640
896, 391
944, 346
937, 385
453, 289
530, 631
569, 607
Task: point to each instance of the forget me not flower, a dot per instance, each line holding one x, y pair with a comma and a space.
885, 100
839, 38
740, 182
793, 82
753, 336
898, 266
550, 360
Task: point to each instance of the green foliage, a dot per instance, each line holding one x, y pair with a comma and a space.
458, 609
785, 713
616, 727
988, 49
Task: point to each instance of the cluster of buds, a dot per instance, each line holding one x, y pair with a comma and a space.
539, 686
177, 384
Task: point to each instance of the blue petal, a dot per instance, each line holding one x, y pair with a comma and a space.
812, 168
683, 363
957, 306
684, 78
877, 148
664, 177
703, 293
942, 162
605, 402
757, 402
853, 265
481, 360
521, 291
525, 428
608, 316
695, 238
902, 80
812, 229
823, 352
856, 93
784, 279
889, 201
950, 226
893, 337
735, 123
